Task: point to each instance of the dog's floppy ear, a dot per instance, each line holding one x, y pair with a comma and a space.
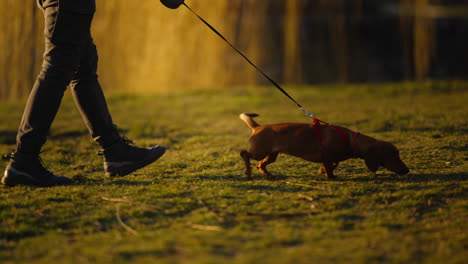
372, 157
372, 164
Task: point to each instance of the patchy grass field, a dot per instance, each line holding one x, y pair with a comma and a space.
194, 206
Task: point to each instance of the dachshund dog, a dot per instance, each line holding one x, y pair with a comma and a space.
319, 143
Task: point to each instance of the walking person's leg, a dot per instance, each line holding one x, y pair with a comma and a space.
69, 55
63, 34
89, 98
120, 158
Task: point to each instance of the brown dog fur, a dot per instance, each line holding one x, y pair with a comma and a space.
301, 140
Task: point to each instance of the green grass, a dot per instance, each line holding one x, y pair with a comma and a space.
195, 206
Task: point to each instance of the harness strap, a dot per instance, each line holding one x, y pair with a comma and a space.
343, 135
318, 122
356, 134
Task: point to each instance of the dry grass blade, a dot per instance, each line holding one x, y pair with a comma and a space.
280, 215
305, 197
122, 224
304, 185
208, 209
118, 200
207, 227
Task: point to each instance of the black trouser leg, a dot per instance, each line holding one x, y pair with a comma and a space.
44, 100
90, 99
67, 47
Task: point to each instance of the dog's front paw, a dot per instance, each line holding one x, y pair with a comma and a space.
322, 170
269, 176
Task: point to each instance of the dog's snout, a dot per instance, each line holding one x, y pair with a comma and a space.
397, 166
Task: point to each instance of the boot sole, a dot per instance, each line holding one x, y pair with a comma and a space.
129, 167
13, 177
18, 179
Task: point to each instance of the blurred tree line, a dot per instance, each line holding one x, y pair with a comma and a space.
146, 47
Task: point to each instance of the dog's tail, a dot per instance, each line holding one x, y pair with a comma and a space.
247, 118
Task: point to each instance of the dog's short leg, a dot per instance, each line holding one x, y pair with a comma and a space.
335, 164
261, 165
329, 167
246, 157
323, 170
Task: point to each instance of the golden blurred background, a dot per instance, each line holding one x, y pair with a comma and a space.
145, 47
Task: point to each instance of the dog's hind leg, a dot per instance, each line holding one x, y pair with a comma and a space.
329, 167
261, 165
323, 170
246, 157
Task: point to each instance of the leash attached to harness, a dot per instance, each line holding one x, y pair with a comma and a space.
307, 113
317, 122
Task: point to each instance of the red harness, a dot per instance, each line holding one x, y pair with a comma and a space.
318, 122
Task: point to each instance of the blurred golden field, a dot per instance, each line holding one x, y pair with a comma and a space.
145, 47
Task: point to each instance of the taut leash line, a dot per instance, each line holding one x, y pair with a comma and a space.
309, 114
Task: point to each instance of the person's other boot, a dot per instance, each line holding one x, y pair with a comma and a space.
28, 169
122, 158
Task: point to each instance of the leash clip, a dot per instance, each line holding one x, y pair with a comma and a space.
307, 113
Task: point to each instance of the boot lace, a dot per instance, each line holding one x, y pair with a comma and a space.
37, 162
128, 141
124, 139
8, 156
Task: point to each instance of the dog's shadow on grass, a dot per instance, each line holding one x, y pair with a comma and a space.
281, 182
228, 177
131, 181
239, 177
260, 183
261, 187
411, 178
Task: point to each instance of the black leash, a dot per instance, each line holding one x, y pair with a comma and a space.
309, 114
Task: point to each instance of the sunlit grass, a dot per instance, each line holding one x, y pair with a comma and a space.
194, 205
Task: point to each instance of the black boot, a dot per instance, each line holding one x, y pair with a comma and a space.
27, 169
122, 158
